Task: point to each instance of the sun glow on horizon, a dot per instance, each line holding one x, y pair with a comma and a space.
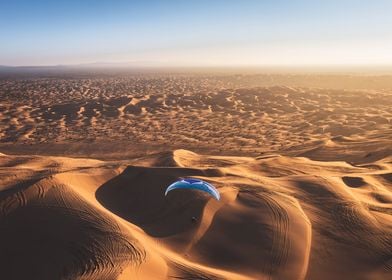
197, 33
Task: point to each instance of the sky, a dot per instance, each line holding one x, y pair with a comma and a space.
196, 32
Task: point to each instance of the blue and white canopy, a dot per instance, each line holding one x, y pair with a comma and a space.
196, 184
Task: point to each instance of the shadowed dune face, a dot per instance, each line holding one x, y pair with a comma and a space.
55, 234
138, 196
354, 182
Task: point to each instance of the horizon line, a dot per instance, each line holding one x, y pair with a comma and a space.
144, 64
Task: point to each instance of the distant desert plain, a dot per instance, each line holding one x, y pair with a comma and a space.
303, 163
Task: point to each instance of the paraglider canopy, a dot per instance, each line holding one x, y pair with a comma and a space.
196, 184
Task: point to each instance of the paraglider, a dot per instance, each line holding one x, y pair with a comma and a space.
196, 184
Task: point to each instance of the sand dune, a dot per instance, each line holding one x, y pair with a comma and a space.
279, 217
214, 114
303, 165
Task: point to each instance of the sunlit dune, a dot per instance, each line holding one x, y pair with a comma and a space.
219, 114
304, 173
104, 220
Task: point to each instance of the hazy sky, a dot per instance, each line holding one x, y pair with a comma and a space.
196, 32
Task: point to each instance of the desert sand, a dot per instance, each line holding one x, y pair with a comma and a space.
303, 164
